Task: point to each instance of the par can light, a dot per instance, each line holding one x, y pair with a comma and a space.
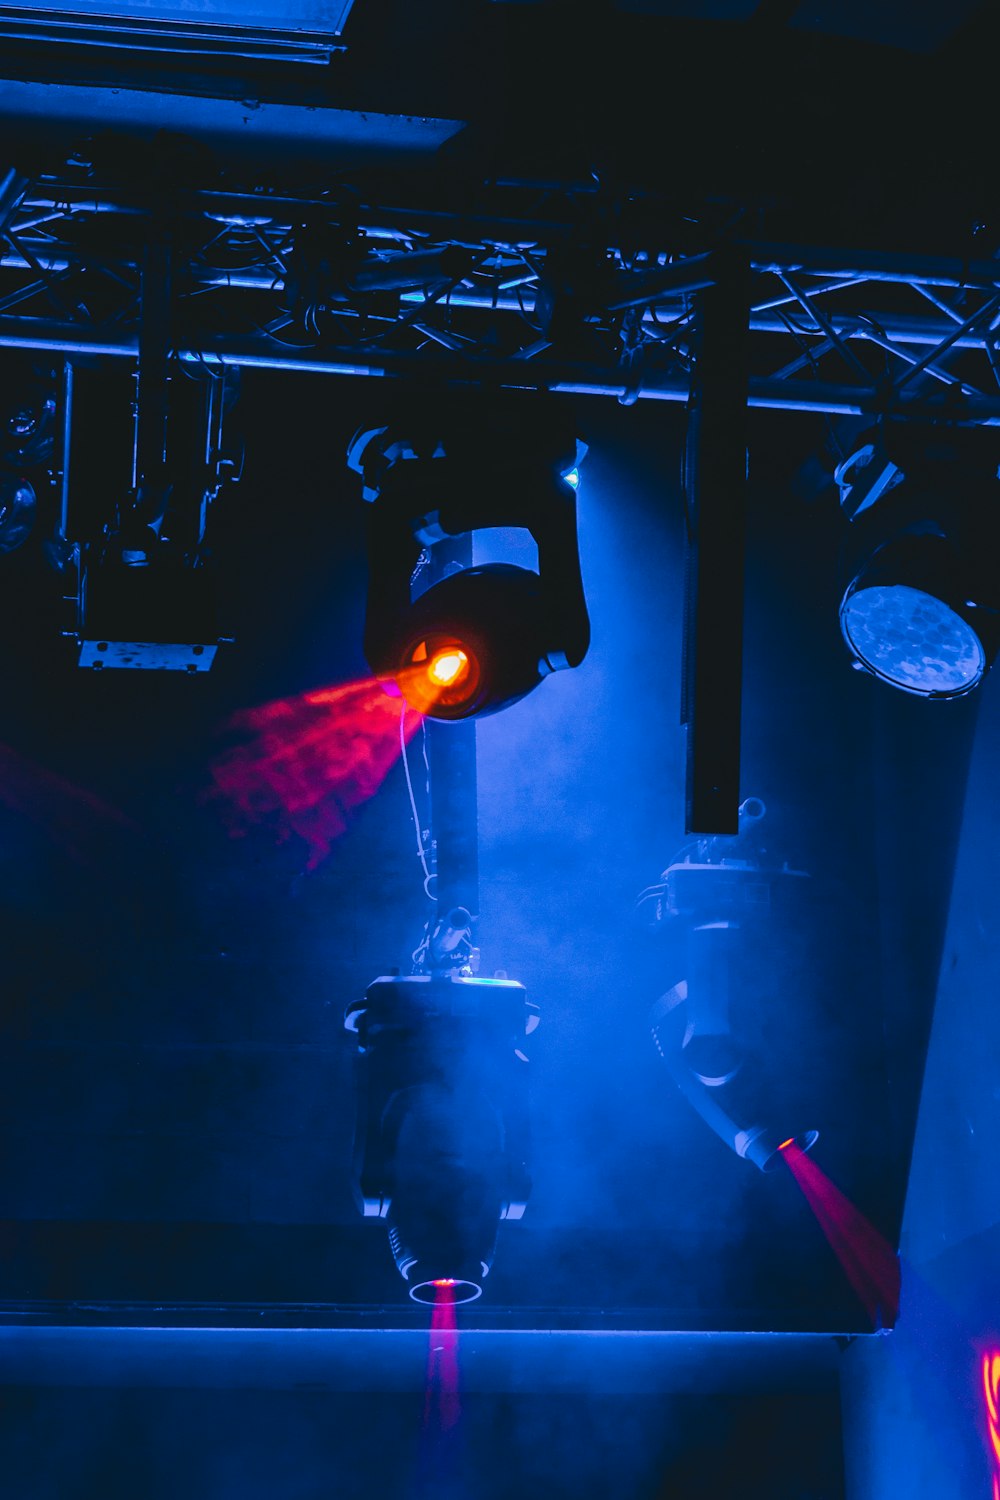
921, 610
910, 619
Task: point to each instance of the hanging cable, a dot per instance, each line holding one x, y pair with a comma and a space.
421, 852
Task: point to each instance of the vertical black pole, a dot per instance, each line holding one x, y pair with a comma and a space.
451, 753
151, 384
65, 442
716, 489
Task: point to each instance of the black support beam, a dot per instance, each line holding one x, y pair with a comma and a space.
716, 497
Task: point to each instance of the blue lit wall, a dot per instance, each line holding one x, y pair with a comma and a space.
916, 1421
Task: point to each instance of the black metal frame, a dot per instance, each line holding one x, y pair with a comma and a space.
499, 300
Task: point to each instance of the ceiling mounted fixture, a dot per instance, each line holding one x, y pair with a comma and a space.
922, 608
710, 896
441, 1141
481, 637
27, 455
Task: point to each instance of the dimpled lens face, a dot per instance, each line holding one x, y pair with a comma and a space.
912, 640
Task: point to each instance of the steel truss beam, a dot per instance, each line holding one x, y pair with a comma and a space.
346, 287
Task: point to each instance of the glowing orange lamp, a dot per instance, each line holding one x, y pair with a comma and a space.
442, 677
448, 667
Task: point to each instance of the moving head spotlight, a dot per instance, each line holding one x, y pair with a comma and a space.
483, 636
441, 1141
922, 608
711, 891
148, 597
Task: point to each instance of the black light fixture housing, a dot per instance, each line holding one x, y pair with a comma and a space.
709, 896
921, 610
441, 1143
148, 595
27, 448
484, 636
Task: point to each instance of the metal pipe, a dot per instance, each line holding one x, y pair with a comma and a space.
910, 359
875, 265
821, 319
399, 221
694, 273
13, 186
987, 309
255, 353
808, 358
836, 284
901, 328
938, 302
64, 449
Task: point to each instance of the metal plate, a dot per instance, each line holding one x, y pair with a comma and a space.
302, 29
146, 656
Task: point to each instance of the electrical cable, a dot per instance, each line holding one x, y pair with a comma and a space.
421, 852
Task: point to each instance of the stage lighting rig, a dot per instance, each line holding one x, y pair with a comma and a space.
27, 451
441, 1140
712, 892
483, 636
147, 596
921, 610
329, 267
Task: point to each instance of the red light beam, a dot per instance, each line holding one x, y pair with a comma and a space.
306, 762
442, 1407
89, 830
869, 1262
991, 1391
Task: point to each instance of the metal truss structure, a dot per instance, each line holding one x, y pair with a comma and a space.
548, 300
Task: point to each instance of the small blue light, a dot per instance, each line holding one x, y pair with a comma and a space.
573, 477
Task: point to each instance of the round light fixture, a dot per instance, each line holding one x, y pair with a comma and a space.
912, 640
916, 615
475, 643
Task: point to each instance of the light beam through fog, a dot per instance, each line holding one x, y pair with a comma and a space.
439, 1469
304, 763
868, 1260
442, 1407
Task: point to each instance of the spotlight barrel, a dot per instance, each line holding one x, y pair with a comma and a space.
483, 636
492, 617
442, 1133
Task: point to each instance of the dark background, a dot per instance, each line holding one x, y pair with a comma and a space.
176, 1093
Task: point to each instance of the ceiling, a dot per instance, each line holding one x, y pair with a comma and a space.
814, 119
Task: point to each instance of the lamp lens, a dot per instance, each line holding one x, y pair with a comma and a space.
913, 640
440, 678
448, 667
460, 1290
